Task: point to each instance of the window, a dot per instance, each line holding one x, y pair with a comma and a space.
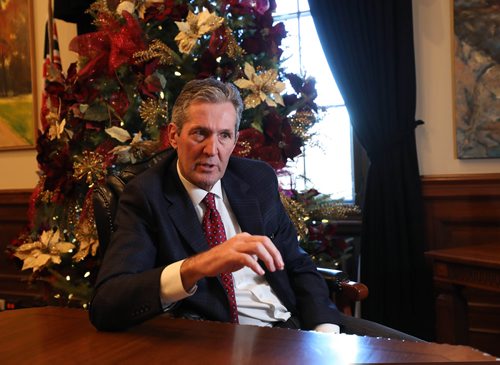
327, 161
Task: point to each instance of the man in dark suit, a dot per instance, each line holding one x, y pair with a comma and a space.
160, 260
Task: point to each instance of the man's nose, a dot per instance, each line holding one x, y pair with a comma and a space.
210, 147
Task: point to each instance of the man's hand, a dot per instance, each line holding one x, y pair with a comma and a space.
239, 251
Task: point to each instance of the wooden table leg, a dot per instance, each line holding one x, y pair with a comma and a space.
451, 315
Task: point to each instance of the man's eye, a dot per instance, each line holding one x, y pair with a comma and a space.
198, 135
225, 136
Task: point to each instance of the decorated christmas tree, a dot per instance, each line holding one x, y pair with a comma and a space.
111, 109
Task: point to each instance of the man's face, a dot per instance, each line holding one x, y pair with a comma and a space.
205, 142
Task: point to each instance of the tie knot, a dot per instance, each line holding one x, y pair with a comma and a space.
209, 201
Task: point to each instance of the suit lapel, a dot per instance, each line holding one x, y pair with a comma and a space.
181, 210
243, 203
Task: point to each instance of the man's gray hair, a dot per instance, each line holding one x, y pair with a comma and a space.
209, 91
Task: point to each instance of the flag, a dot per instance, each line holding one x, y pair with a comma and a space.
52, 71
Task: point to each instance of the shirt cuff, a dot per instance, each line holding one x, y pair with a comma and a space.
171, 288
327, 328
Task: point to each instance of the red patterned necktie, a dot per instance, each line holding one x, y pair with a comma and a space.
215, 234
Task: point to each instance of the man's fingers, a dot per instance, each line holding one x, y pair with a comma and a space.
243, 250
278, 259
265, 250
253, 264
273, 251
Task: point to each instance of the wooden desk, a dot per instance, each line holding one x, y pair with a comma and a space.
467, 282
59, 335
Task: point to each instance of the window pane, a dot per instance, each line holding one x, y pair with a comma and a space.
314, 64
303, 5
286, 7
326, 163
291, 6
304, 56
290, 46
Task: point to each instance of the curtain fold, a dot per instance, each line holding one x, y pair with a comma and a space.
369, 47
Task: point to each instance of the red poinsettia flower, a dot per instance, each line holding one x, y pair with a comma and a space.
271, 154
94, 47
273, 123
206, 65
119, 102
245, 7
278, 130
290, 99
54, 161
248, 137
306, 88
218, 42
125, 42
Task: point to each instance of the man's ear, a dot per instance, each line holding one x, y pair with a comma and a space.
172, 134
236, 138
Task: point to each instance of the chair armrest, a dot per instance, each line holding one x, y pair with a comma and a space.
343, 291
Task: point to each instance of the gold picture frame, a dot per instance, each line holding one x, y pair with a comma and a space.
18, 98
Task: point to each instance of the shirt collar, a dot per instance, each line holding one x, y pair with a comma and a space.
196, 193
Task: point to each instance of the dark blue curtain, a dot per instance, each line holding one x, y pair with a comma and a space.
369, 47
74, 11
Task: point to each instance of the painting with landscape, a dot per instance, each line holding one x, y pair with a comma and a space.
477, 78
17, 103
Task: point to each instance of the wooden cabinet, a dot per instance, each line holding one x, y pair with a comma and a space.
467, 285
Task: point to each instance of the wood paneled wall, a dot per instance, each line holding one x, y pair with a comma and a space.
464, 210
461, 210
14, 289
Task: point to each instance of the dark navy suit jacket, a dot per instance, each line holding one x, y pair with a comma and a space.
157, 225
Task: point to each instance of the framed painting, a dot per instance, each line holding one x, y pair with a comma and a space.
476, 28
18, 112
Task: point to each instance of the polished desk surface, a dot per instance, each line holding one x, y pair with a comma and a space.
52, 335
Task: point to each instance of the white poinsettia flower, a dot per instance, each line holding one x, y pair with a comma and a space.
49, 248
118, 133
56, 129
87, 236
264, 87
128, 6
194, 27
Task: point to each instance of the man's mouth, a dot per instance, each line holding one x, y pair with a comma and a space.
207, 166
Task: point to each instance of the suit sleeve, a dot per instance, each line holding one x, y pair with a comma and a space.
128, 285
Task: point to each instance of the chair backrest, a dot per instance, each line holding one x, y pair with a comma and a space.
106, 195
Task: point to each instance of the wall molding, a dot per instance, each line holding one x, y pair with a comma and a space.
472, 185
461, 210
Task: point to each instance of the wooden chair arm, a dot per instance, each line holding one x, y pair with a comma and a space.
343, 291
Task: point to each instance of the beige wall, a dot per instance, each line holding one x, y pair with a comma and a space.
435, 139
433, 52
18, 168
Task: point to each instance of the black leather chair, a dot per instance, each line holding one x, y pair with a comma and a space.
105, 199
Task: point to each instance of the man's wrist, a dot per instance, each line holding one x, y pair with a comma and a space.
189, 273
171, 287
